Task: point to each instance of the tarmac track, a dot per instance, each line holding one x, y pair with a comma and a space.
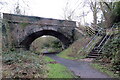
79, 68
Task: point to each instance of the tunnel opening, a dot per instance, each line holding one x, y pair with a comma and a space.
30, 38
46, 45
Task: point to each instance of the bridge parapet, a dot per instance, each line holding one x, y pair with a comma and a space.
12, 18
25, 29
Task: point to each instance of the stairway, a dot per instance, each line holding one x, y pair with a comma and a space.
96, 51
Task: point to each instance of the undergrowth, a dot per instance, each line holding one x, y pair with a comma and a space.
105, 68
23, 64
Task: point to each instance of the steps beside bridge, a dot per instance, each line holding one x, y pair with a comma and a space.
96, 51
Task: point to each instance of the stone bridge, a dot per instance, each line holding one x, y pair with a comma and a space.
25, 29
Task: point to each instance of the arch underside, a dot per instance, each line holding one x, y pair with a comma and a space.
30, 38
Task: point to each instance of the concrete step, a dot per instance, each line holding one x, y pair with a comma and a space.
95, 51
94, 54
91, 56
97, 48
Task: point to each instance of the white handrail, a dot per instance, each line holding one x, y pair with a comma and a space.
91, 45
106, 40
91, 40
104, 44
105, 37
102, 40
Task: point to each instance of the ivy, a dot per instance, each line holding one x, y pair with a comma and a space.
112, 52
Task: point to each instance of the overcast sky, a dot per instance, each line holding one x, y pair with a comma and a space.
47, 8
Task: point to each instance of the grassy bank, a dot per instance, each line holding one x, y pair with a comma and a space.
105, 69
77, 50
56, 70
74, 51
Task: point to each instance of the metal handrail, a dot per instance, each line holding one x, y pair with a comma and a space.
102, 40
105, 43
91, 45
91, 40
106, 40
105, 37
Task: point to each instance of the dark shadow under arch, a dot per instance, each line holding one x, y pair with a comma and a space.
30, 38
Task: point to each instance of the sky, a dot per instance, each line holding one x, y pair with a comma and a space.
48, 8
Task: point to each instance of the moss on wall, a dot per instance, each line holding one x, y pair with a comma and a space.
23, 25
7, 39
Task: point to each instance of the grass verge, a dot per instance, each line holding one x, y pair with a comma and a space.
56, 70
77, 50
104, 69
65, 53
73, 52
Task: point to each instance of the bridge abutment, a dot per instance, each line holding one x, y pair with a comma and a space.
25, 29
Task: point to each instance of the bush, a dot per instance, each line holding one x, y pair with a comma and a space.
56, 44
23, 64
46, 44
112, 52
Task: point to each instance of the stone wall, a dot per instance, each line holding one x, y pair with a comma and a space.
21, 26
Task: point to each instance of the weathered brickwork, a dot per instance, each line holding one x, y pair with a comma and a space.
25, 29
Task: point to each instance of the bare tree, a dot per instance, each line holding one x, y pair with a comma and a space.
107, 9
21, 8
94, 8
17, 9
68, 13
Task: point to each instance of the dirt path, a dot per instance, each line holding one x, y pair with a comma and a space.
79, 68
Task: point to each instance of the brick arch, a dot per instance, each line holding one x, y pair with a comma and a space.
25, 29
26, 42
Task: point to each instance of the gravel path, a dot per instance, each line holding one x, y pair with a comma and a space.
79, 68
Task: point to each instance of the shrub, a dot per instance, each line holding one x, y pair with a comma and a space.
23, 64
112, 52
